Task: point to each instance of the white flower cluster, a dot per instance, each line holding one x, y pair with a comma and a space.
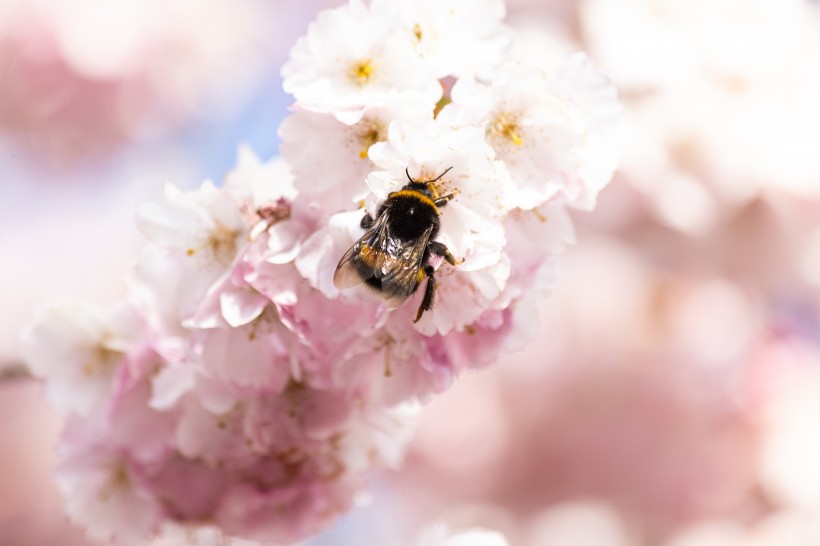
425, 87
238, 385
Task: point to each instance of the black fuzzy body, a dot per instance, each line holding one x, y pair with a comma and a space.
393, 255
410, 216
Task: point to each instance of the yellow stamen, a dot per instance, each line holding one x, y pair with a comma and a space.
369, 132
118, 478
362, 71
513, 135
539, 215
102, 358
417, 32
507, 126
221, 242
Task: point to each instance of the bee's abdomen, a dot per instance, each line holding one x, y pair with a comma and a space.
411, 215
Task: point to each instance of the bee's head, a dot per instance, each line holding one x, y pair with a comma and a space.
421, 187
428, 187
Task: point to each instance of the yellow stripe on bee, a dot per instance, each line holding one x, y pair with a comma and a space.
420, 276
418, 195
367, 255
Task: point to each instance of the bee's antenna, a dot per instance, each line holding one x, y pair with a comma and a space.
407, 172
439, 176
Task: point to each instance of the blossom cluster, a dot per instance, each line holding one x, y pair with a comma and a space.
238, 386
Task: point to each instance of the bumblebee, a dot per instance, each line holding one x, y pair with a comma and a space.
392, 257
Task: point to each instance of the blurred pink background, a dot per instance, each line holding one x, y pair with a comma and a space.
672, 396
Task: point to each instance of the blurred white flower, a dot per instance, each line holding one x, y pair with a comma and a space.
718, 81
782, 527
438, 535
78, 349
102, 495
81, 79
580, 523
791, 437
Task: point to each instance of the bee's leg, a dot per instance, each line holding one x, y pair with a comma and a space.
442, 201
440, 249
429, 292
367, 221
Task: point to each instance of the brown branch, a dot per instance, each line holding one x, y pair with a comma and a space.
13, 371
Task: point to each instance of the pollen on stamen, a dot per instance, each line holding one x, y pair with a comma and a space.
369, 132
102, 358
221, 243
538, 215
417, 31
118, 479
506, 126
362, 71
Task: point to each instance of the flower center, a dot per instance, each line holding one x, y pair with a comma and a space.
102, 359
369, 132
118, 478
263, 324
222, 244
362, 71
506, 126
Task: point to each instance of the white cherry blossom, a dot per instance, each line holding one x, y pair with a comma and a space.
471, 222
456, 38
352, 59
78, 349
205, 225
103, 496
330, 169
556, 133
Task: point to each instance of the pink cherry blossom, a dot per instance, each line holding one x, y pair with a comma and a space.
255, 394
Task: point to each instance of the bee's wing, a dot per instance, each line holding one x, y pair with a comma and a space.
371, 256
403, 277
347, 273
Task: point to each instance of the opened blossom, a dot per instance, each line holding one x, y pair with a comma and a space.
352, 58
250, 373
77, 349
